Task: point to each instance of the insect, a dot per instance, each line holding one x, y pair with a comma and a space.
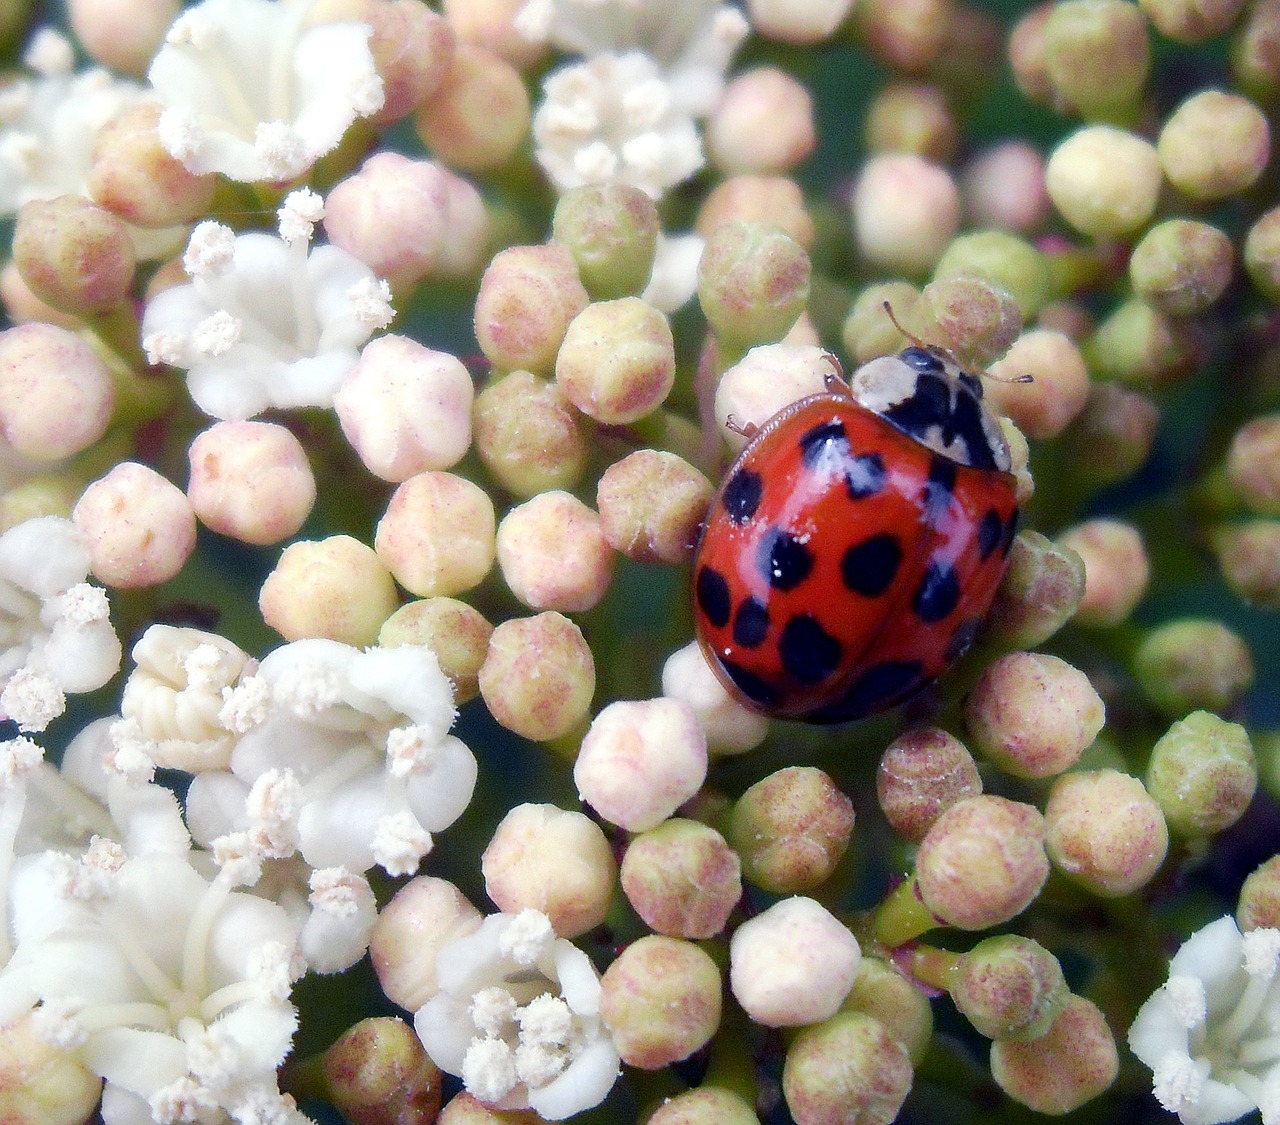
856, 543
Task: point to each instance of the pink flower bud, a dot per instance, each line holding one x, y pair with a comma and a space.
905, 211
1259, 906
1009, 987
763, 123
923, 773
553, 554
478, 115
74, 254
682, 878
378, 1073
1040, 592
797, 21
1115, 568
651, 506
765, 380
1003, 187
122, 35
849, 1068
1059, 388
336, 588
731, 728
775, 200
527, 298
456, 632
528, 435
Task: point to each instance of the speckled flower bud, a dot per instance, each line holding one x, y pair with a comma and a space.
1097, 56
528, 435
1255, 63
1105, 831
76, 256
1039, 594
538, 676
1181, 267
982, 863
457, 633
335, 587
1193, 663
1009, 987
753, 282
437, 534
792, 964
378, 1073
921, 774
424, 915
763, 123
1262, 250
527, 298
550, 859
905, 212
1253, 464
41, 1084
907, 35
1006, 261
1214, 145
1113, 433
139, 526
847, 1069
867, 331
682, 878
1116, 569
640, 761
1058, 390
553, 554
251, 481
412, 48
134, 177
617, 361
704, 1105
731, 728
1191, 21
773, 200
1249, 557
1139, 345
791, 829
1259, 905
911, 117
612, 231
661, 1000
1073, 1062
1104, 181
1033, 714
1027, 57
478, 115
465, 1109
1003, 187
651, 506
1202, 773
967, 315
765, 380
899, 1004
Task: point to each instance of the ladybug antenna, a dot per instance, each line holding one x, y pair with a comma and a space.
1026, 377
919, 343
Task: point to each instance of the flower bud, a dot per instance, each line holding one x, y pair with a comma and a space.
335, 587
1040, 592
250, 481
769, 200
457, 633
982, 863
921, 774
1009, 987
612, 232
1249, 556
1115, 566
1059, 389
1193, 663
378, 1073
1138, 344
465, 1108
846, 1069
1202, 773
1214, 145
478, 115
1003, 187
1104, 181
682, 878
730, 727
425, 915
528, 435
1097, 56
41, 1084
56, 394
868, 332
617, 361
538, 676
651, 506
492, 24
640, 761
1074, 1061
1181, 267
412, 48
73, 254
704, 1105
1253, 464
765, 380
661, 1000
797, 21
753, 282
552, 553
905, 213
1262, 251
437, 535
793, 964
1006, 261
914, 118
899, 1004
763, 123
527, 298
1191, 21
967, 315
121, 35
1259, 906
1114, 432
791, 829
1028, 55
1033, 714
1254, 62
906, 35
24, 307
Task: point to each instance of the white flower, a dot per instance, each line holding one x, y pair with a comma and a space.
615, 119
55, 633
252, 93
263, 321
691, 41
517, 1017
1211, 1032
674, 279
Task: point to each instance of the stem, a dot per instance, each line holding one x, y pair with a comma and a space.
901, 916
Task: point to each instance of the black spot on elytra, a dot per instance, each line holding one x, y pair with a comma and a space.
990, 533
712, 592
825, 444
962, 637
864, 476
742, 495
880, 686
752, 686
939, 592
808, 651
869, 568
784, 561
825, 450
938, 489
750, 623
921, 359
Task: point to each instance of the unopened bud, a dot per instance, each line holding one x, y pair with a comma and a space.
1009, 987
377, 1073
1202, 773
923, 773
1041, 590
682, 878
847, 1069
1193, 663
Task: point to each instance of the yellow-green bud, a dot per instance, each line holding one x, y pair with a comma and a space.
1259, 905
1041, 590
848, 1068
1104, 181
1249, 556
1203, 774
457, 633
612, 231
377, 1073
1181, 267
1009, 987
1007, 261
1193, 663
1098, 56
911, 117
1214, 145
528, 435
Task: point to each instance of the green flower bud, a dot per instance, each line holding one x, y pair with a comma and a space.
1214, 145
74, 255
1138, 344
922, 773
1041, 590
1097, 56
849, 1068
1255, 63
911, 117
1113, 434
970, 316
457, 633
1262, 251
528, 435
1009, 987
705, 1105
377, 1073
1203, 774
1253, 464
1007, 261
612, 232
1249, 556
1104, 181
867, 331
1181, 267
682, 878
1191, 21
1193, 663
883, 993
1259, 905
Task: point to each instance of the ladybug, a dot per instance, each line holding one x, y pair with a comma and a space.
855, 545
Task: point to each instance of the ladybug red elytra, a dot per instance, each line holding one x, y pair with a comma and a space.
856, 543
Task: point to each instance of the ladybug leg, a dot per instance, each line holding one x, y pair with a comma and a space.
746, 429
834, 380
